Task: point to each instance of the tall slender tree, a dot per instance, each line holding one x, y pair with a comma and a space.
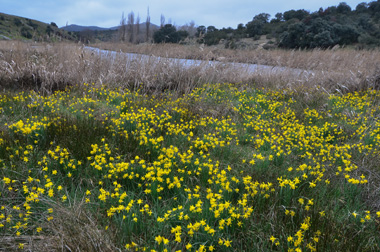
147, 24
131, 24
137, 40
122, 28
162, 19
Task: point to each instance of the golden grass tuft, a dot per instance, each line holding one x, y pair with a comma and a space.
76, 229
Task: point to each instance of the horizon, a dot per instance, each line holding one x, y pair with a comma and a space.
221, 14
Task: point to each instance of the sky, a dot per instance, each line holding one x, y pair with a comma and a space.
107, 13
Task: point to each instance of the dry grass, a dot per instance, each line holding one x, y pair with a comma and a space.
51, 67
31, 243
73, 228
344, 69
317, 59
77, 230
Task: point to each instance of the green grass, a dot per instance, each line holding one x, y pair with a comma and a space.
226, 167
20, 28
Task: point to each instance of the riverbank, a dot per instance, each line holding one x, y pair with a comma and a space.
53, 67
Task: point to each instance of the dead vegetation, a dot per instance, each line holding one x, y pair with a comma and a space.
53, 67
72, 228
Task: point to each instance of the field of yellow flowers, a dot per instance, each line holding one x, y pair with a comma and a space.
224, 168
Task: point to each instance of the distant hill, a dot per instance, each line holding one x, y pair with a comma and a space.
15, 27
79, 28
95, 34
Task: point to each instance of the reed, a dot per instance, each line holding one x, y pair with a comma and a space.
47, 67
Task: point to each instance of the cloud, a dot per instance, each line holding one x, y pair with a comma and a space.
106, 13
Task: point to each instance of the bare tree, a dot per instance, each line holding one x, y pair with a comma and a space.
147, 24
122, 28
138, 28
131, 24
190, 28
162, 20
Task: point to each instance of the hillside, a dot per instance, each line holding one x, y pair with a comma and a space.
338, 25
20, 28
80, 28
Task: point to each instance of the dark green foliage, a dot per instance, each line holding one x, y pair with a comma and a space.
183, 34
32, 24
368, 40
374, 7
211, 29
86, 35
240, 32
169, 34
346, 34
25, 32
323, 39
298, 14
20, 28
241, 27
336, 25
278, 18
262, 17
343, 8
256, 26
213, 38
319, 33
325, 28
17, 21
49, 30
201, 30
53, 24
362, 7
293, 35
365, 22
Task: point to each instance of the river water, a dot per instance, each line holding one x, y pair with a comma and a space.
247, 68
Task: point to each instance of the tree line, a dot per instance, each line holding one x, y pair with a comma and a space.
325, 28
335, 25
167, 33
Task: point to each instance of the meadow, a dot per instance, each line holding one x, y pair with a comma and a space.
199, 162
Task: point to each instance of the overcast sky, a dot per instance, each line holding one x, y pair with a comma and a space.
107, 13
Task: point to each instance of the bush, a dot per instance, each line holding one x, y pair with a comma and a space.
213, 38
32, 24
17, 21
49, 30
168, 34
25, 33
256, 37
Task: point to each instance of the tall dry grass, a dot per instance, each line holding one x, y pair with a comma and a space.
51, 67
317, 59
344, 69
73, 228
